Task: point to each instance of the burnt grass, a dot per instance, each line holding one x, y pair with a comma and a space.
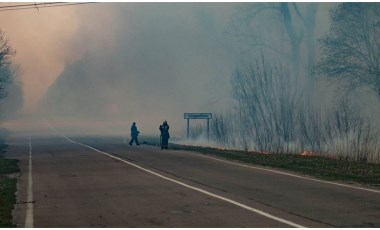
7, 188
316, 166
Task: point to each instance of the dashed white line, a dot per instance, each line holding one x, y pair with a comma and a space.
29, 206
290, 223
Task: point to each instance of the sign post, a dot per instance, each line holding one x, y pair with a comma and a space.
189, 116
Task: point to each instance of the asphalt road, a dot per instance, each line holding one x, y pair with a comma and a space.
102, 182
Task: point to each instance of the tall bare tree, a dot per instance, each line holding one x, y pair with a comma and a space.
294, 23
6, 53
352, 47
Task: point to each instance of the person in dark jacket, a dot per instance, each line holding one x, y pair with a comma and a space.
134, 134
164, 138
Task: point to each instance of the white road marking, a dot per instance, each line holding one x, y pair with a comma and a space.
29, 206
192, 187
290, 174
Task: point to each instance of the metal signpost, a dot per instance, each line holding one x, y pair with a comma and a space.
189, 116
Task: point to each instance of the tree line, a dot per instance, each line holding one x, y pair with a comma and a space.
276, 105
10, 88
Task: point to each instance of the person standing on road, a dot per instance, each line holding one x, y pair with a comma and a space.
164, 138
134, 134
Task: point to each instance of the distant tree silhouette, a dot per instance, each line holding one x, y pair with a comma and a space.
351, 49
6, 53
294, 24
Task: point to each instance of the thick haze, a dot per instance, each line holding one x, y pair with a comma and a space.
42, 43
147, 62
102, 66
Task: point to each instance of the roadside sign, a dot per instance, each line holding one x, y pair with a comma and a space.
189, 116
197, 115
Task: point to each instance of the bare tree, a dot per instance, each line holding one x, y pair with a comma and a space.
294, 23
265, 95
352, 47
6, 53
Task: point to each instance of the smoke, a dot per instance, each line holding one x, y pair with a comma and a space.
40, 38
150, 62
99, 67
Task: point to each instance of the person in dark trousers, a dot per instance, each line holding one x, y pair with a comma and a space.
164, 138
134, 134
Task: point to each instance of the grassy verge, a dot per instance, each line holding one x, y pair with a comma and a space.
7, 188
320, 167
